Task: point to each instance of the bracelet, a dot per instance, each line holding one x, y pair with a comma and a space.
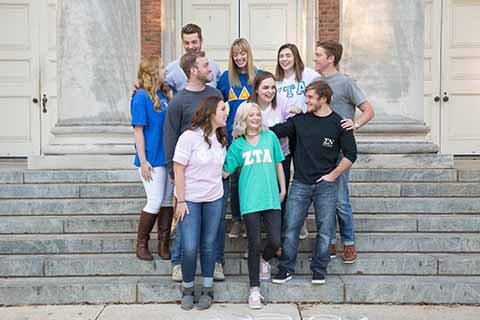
181, 201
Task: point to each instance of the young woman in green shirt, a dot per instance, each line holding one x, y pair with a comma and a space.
258, 153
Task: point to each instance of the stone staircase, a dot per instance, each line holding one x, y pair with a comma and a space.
69, 237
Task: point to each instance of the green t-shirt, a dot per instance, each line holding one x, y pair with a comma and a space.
258, 184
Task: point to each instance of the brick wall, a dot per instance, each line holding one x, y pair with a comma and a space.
151, 27
329, 20
329, 16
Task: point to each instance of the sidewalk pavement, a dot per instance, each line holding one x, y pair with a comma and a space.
241, 312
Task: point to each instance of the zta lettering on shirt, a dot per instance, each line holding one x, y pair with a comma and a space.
300, 90
256, 156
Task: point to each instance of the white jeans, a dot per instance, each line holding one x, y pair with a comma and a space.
159, 190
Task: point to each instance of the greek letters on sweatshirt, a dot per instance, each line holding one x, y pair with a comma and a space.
319, 141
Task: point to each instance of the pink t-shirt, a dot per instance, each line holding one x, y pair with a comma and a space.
272, 117
203, 166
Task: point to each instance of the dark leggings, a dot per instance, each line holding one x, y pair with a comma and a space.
272, 220
286, 164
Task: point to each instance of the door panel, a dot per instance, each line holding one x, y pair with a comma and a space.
19, 82
461, 77
267, 25
432, 29
218, 20
48, 67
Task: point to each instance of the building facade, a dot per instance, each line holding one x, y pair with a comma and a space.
67, 67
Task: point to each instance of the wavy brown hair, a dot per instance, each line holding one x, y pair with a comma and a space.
148, 76
203, 120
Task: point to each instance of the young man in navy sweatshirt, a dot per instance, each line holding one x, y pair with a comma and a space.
319, 140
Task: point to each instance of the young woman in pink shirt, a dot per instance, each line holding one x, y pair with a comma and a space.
198, 162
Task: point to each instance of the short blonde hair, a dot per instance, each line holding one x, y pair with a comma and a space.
240, 125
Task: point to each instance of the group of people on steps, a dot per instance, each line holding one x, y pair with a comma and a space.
203, 137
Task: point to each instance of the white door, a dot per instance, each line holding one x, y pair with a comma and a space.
219, 22
452, 74
48, 69
432, 71
460, 115
25, 34
265, 24
19, 77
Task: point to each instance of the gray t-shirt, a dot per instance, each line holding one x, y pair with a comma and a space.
180, 112
346, 94
177, 80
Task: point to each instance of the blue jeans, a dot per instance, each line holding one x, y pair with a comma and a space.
300, 196
199, 231
177, 245
344, 211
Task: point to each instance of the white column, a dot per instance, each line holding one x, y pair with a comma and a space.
98, 49
383, 50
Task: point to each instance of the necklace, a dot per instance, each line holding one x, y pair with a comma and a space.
251, 135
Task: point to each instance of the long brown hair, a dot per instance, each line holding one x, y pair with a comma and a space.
203, 120
233, 72
297, 62
148, 76
256, 84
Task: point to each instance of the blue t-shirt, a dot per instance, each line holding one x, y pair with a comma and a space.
234, 96
143, 114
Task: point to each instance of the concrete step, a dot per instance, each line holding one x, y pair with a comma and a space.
125, 243
52, 191
71, 206
115, 206
444, 205
338, 289
469, 175
129, 223
235, 264
383, 168
135, 190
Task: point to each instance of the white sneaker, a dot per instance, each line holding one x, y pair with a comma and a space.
177, 273
304, 231
255, 299
265, 270
218, 272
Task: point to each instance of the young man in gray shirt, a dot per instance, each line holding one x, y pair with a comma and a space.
192, 40
347, 96
180, 112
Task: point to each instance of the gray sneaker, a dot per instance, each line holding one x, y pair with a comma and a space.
304, 231
177, 273
187, 298
218, 272
206, 298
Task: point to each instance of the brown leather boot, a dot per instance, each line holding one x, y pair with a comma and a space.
145, 225
164, 225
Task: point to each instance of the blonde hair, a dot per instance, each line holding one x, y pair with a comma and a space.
148, 76
240, 44
240, 124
